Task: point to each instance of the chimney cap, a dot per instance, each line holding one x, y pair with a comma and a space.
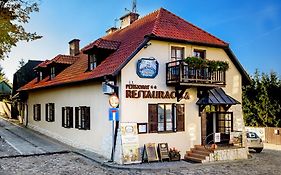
74, 40
129, 14
111, 29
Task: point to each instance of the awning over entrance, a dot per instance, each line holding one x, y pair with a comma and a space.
217, 96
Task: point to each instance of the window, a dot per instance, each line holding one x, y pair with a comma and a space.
165, 117
37, 112
224, 122
82, 117
40, 75
92, 61
67, 117
177, 53
53, 74
50, 112
199, 53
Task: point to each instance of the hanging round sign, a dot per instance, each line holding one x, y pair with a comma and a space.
113, 101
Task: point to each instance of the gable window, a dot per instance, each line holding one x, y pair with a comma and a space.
177, 53
40, 75
50, 112
92, 61
67, 117
166, 117
199, 53
82, 117
53, 73
36, 112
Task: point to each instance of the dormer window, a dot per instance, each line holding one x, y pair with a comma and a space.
199, 53
40, 76
92, 61
53, 74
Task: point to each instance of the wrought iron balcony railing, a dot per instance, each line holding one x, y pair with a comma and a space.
178, 72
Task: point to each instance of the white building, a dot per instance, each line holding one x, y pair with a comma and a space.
179, 102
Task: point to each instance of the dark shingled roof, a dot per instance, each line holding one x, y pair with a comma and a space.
217, 96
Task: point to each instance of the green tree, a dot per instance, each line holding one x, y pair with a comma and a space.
13, 15
2, 74
262, 100
21, 63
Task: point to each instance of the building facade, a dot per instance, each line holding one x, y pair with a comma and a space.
165, 96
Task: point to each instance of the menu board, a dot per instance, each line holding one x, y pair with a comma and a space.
150, 152
130, 143
163, 151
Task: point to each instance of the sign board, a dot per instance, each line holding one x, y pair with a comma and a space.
113, 101
147, 68
217, 137
130, 143
114, 114
163, 151
150, 153
106, 89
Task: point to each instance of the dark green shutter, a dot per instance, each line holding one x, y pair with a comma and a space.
87, 118
46, 112
39, 112
153, 117
71, 117
77, 117
180, 117
34, 108
53, 112
63, 117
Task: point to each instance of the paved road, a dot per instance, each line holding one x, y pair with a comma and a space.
267, 162
27, 142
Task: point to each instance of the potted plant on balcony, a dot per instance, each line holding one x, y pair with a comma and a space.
199, 63
218, 65
174, 154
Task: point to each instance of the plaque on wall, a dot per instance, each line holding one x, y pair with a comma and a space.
147, 67
150, 153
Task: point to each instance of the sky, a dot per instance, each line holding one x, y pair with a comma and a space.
251, 27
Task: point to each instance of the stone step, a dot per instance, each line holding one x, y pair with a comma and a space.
202, 152
202, 148
193, 159
197, 155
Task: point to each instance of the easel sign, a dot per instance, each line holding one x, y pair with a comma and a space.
150, 153
163, 151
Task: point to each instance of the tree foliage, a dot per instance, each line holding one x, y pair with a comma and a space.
13, 15
2, 74
262, 100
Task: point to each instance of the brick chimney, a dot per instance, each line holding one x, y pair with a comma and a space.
128, 19
74, 47
111, 30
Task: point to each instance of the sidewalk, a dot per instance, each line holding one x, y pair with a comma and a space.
28, 142
272, 146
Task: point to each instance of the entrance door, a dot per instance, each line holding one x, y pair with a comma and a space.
210, 127
213, 122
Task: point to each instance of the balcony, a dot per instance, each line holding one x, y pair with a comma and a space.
180, 73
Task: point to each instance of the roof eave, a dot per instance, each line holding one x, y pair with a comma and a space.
152, 36
246, 80
117, 71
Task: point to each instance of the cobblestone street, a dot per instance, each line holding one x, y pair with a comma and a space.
267, 162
